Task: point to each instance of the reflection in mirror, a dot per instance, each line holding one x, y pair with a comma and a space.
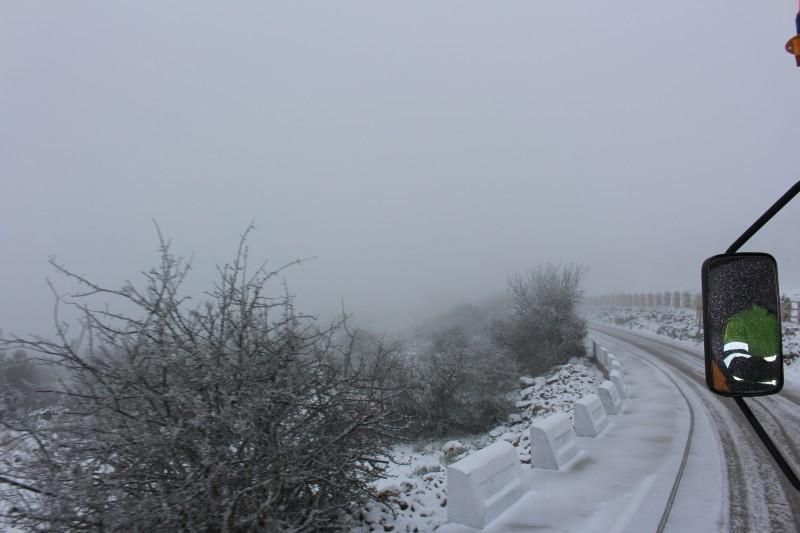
741, 319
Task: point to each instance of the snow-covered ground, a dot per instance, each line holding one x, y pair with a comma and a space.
675, 323
13, 447
417, 484
682, 325
621, 479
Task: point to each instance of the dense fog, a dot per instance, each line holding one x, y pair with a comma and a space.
419, 152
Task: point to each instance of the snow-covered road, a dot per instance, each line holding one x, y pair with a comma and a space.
678, 459
624, 479
754, 493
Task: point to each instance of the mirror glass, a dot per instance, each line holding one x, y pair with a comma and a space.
742, 324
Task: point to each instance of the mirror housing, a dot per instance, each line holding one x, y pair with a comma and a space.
742, 324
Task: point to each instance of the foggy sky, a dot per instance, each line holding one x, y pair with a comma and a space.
421, 151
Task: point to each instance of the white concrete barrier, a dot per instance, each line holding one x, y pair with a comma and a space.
590, 416
553, 442
603, 357
609, 395
484, 484
619, 381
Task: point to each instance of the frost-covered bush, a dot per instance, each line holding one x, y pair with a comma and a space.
544, 328
20, 379
426, 469
459, 385
238, 414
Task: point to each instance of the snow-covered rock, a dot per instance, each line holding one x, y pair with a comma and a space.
452, 446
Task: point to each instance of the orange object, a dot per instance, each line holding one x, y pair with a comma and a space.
720, 382
793, 47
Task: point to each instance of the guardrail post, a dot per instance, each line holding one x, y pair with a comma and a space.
553, 442
590, 416
484, 484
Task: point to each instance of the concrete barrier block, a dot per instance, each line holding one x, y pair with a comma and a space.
484, 484
619, 381
609, 395
614, 365
603, 356
553, 442
590, 416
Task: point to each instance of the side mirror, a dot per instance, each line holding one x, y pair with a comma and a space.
742, 324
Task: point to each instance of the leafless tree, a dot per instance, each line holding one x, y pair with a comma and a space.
237, 414
459, 386
544, 328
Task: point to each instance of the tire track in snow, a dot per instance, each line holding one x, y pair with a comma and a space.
662, 524
776, 428
759, 496
740, 517
668, 509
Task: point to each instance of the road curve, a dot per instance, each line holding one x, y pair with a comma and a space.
758, 496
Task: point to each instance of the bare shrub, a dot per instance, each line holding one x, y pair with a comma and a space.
544, 328
426, 469
238, 414
460, 385
20, 379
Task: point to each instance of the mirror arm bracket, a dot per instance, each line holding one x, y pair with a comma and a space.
751, 418
763, 219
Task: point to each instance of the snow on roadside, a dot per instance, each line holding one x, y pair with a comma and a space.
12, 449
676, 323
416, 486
